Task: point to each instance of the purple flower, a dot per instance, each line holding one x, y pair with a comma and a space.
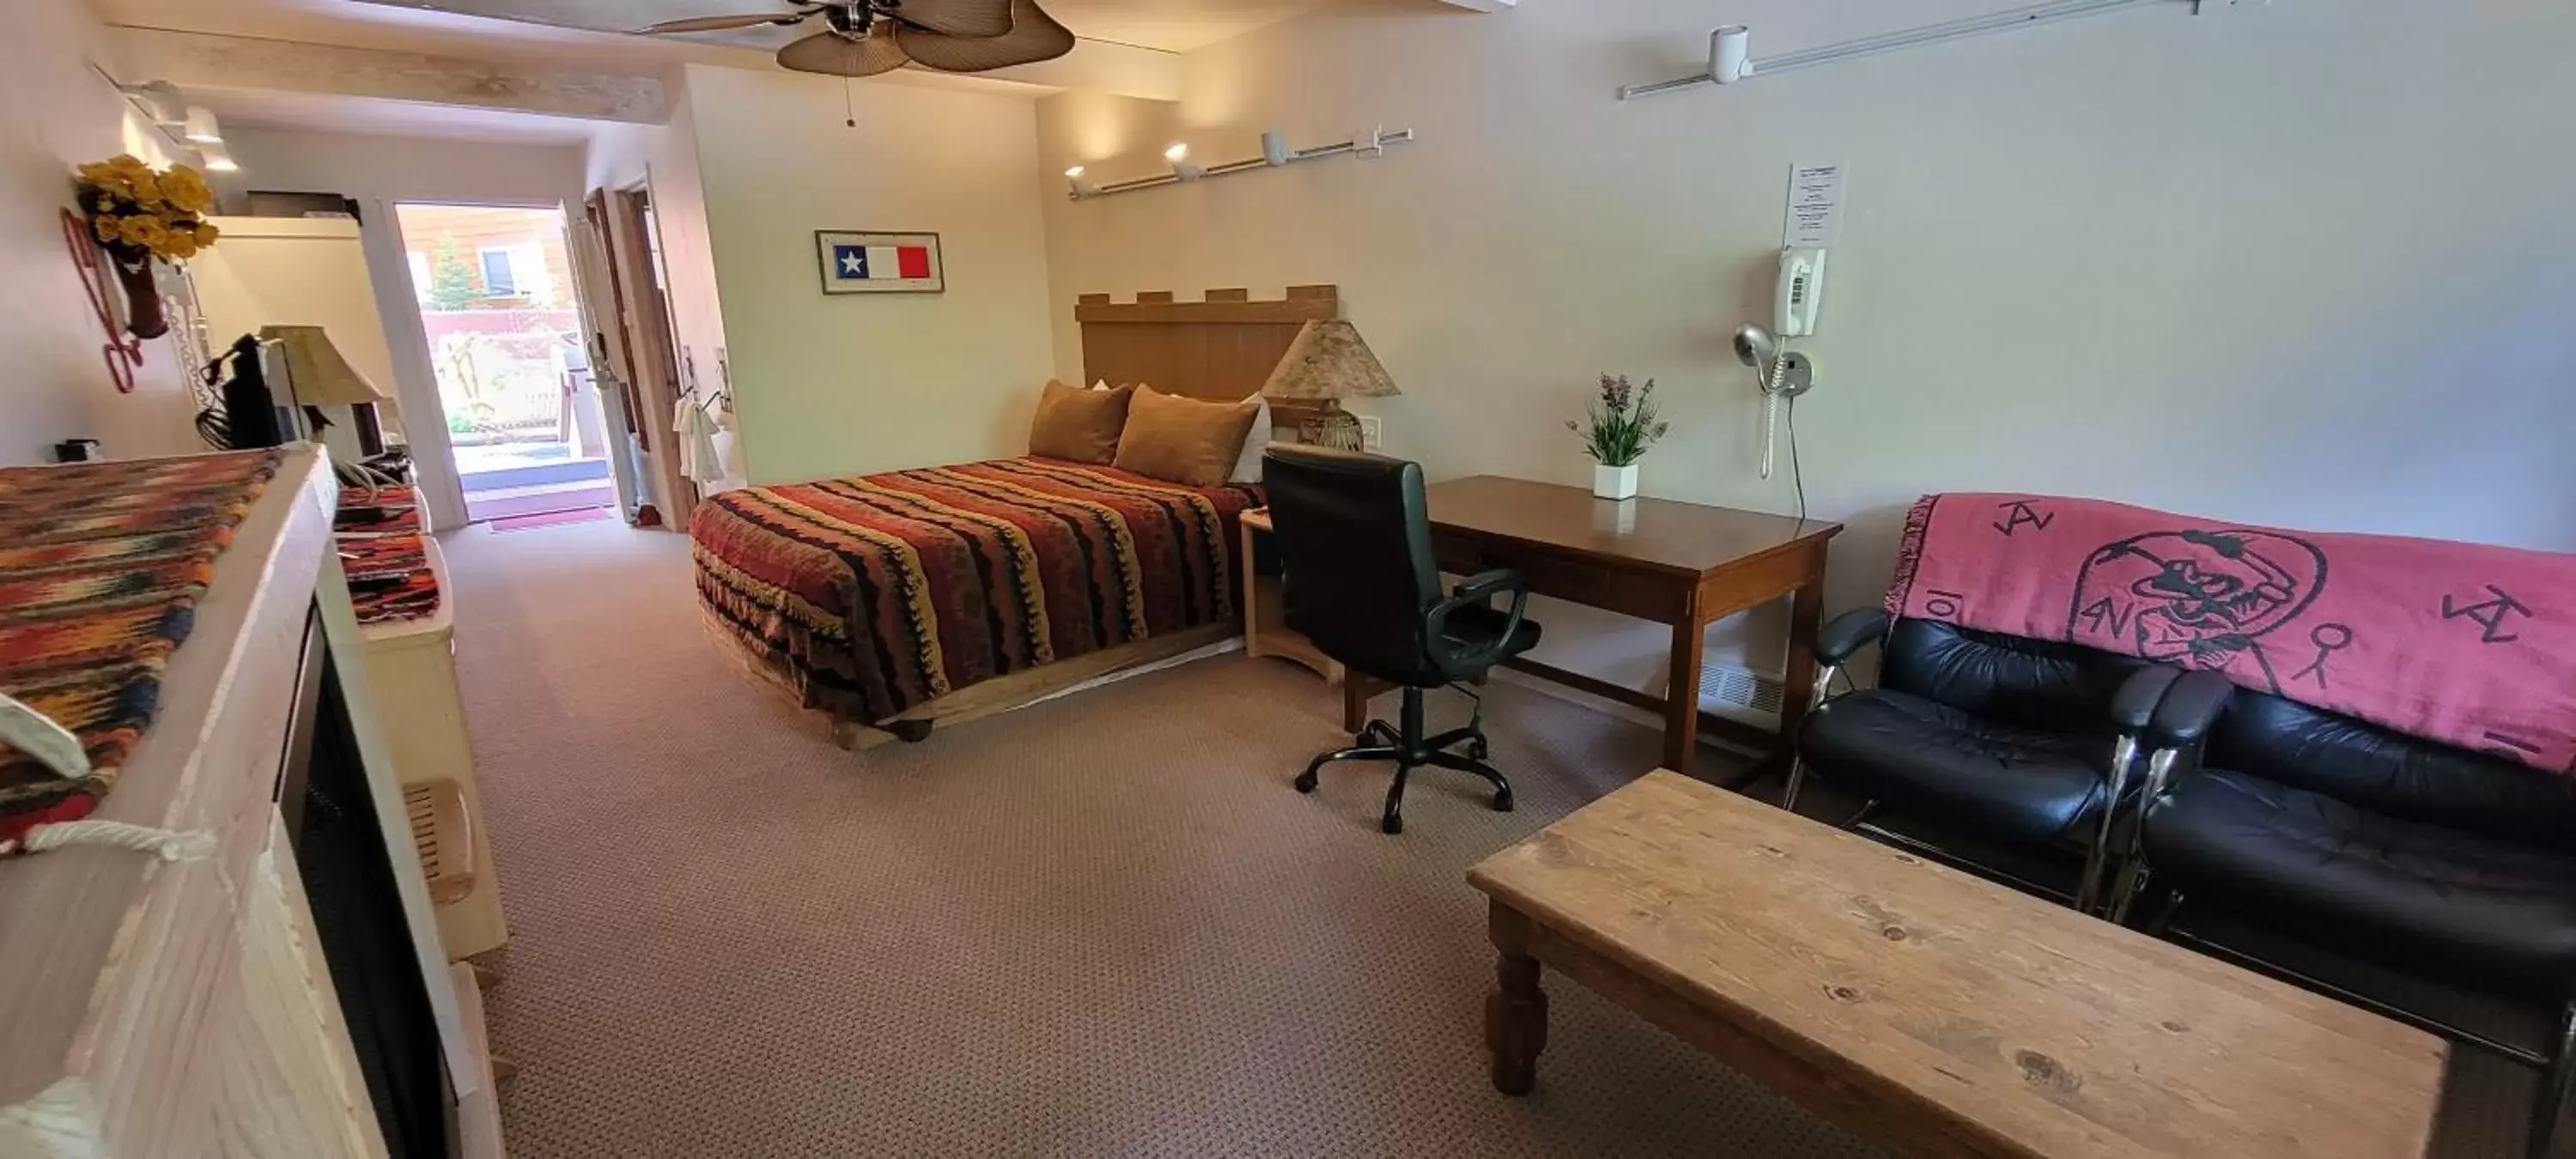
1660, 429
1616, 393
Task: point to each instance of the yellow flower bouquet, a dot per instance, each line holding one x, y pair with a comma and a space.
132, 207
140, 213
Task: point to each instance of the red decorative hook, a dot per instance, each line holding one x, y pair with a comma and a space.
123, 353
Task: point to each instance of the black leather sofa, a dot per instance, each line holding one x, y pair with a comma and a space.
2001, 739
2452, 864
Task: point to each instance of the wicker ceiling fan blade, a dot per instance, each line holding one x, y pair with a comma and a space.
1034, 36
832, 54
981, 19
721, 23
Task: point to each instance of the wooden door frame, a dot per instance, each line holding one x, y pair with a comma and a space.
644, 343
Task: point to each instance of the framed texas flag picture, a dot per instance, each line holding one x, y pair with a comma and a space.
880, 263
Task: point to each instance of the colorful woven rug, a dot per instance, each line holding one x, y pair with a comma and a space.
101, 566
389, 577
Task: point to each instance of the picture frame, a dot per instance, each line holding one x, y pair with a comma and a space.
880, 262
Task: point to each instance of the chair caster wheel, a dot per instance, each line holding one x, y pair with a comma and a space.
1391, 825
1305, 782
1502, 802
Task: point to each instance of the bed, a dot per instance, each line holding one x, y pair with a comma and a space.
888, 602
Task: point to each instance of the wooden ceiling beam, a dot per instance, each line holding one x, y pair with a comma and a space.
209, 60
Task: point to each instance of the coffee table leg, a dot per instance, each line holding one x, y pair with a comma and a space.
1516, 1012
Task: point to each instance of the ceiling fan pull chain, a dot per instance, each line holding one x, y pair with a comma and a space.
848, 110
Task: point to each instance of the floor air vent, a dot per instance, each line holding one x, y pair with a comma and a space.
1741, 694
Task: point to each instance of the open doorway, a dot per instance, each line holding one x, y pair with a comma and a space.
498, 303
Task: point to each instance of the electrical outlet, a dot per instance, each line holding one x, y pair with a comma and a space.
1372, 433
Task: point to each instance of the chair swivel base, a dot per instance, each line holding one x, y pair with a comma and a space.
1409, 750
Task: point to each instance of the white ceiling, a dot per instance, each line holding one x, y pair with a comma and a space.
584, 35
1168, 25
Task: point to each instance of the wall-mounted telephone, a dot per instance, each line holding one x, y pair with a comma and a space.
1782, 373
1802, 292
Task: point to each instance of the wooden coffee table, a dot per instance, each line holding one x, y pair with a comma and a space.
1935, 1012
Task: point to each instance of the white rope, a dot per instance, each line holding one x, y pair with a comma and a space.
166, 844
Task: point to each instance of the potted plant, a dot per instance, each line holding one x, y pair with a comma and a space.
1619, 424
141, 214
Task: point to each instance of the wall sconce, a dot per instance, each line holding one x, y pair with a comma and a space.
217, 158
200, 126
1275, 153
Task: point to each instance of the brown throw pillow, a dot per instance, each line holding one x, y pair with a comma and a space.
1182, 440
1077, 424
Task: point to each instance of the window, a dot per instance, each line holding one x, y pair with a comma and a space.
420, 282
499, 278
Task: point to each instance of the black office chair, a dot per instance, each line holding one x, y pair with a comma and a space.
1359, 580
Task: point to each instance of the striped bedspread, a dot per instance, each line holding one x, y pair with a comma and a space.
874, 595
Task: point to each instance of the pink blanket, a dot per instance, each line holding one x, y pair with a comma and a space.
2470, 645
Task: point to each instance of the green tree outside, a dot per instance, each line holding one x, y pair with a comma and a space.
452, 284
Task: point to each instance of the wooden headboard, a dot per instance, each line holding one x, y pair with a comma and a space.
1222, 349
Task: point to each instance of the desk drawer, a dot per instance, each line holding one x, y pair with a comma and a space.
1566, 576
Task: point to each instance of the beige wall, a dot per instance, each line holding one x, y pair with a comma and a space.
2314, 264
58, 114
841, 385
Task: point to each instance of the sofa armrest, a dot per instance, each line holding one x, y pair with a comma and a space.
2188, 710
1849, 633
2133, 708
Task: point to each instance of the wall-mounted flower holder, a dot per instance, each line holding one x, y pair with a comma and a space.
123, 353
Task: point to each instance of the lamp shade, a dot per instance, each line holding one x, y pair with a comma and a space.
316, 374
1329, 360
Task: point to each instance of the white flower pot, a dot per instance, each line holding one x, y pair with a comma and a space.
1615, 482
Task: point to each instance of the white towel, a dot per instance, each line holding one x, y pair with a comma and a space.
698, 458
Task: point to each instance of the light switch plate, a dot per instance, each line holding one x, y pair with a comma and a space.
1372, 433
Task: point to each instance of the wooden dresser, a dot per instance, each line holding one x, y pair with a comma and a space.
188, 1008
411, 664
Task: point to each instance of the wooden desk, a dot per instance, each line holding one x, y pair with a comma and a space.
1937, 1012
1265, 625
1683, 564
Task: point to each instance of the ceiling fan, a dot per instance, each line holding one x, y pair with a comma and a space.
867, 37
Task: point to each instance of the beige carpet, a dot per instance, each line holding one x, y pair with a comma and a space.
1103, 926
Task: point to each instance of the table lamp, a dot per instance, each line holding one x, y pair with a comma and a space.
1327, 363
318, 375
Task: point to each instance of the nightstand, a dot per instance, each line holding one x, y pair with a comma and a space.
1265, 626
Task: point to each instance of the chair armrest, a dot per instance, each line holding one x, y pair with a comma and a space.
2133, 708
2188, 709
1849, 633
1476, 591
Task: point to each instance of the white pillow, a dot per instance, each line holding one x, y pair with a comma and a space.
1247, 467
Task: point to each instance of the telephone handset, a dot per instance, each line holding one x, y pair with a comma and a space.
1802, 291
1783, 374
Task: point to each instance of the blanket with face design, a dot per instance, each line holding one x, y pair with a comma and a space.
2462, 643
